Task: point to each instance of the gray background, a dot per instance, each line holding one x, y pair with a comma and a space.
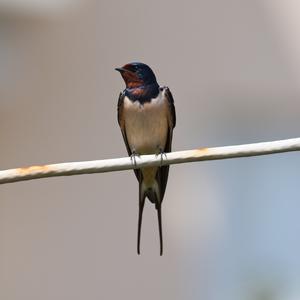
231, 228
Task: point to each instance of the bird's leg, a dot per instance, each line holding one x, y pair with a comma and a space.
162, 154
133, 157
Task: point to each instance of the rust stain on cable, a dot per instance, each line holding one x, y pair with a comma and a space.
202, 150
33, 169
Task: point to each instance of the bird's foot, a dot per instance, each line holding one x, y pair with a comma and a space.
162, 155
133, 157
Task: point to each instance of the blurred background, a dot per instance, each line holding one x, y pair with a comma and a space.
231, 228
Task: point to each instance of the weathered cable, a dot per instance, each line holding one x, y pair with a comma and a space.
126, 163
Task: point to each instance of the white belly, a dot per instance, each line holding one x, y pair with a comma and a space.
146, 125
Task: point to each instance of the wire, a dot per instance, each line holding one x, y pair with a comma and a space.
126, 163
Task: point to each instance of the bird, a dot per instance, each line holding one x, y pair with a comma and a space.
147, 117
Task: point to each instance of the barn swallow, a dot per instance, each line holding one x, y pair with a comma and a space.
146, 116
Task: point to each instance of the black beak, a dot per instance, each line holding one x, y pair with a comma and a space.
120, 70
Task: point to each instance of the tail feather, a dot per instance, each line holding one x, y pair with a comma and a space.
153, 194
160, 228
142, 197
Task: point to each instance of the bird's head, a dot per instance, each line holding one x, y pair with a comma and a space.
137, 74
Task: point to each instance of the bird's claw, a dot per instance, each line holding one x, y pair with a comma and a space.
162, 155
133, 157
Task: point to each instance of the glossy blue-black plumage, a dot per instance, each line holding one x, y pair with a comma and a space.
141, 84
143, 71
147, 92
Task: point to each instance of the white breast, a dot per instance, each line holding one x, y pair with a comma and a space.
146, 125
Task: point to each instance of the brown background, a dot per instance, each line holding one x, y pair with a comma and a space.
231, 228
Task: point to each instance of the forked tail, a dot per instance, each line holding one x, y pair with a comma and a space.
153, 196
